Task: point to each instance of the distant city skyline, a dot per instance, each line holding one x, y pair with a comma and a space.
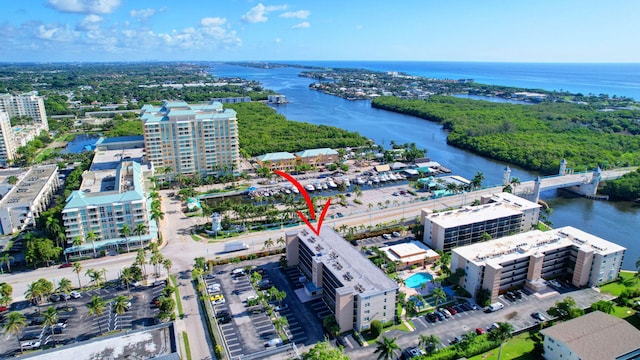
234, 30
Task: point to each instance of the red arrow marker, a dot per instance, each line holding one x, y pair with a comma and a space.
307, 198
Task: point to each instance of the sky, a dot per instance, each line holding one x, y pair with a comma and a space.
238, 30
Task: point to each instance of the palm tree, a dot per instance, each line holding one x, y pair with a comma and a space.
77, 268
34, 292
14, 324
155, 260
501, 333
142, 261
91, 237
127, 277
429, 342
514, 182
280, 323
50, 317
282, 242
125, 231
96, 308
167, 264
387, 348
267, 244
94, 275
439, 295
64, 286
6, 259
477, 180
120, 305
140, 230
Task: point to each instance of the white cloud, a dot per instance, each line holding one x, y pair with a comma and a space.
277, 40
53, 32
89, 23
300, 14
215, 21
302, 25
85, 6
143, 14
258, 13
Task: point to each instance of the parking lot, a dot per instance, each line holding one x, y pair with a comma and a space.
76, 324
249, 329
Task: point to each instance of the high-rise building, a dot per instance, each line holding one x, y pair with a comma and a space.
354, 289
189, 139
7, 140
29, 104
95, 215
529, 258
499, 215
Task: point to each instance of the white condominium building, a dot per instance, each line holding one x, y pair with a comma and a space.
7, 140
525, 259
498, 215
29, 104
28, 198
108, 200
356, 290
191, 138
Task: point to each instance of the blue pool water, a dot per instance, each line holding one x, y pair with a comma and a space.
416, 280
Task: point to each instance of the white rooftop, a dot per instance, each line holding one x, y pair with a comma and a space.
529, 243
471, 214
409, 252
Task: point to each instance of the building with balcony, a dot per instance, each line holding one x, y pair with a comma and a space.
8, 146
593, 336
29, 105
284, 161
318, 157
498, 215
529, 258
353, 288
107, 200
28, 198
190, 139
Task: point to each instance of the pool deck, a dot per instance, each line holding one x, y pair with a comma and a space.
405, 274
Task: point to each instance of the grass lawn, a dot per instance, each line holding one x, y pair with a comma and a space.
628, 281
519, 347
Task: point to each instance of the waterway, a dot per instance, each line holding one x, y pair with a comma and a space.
614, 221
79, 144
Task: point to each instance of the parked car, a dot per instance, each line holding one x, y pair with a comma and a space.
54, 297
3, 308
54, 330
538, 316
29, 345
273, 342
340, 340
386, 236
509, 295
281, 307
412, 352
493, 327
224, 319
37, 321
264, 285
222, 313
62, 323
210, 276
65, 265
452, 310
75, 295
479, 331
395, 234
446, 313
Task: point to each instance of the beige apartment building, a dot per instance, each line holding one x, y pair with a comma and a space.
353, 288
7, 140
527, 259
29, 104
28, 198
191, 139
498, 215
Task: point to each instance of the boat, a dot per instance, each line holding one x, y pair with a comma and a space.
375, 180
324, 186
309, 187
332, 184
392, 177
287, 191
360, 181
295, 190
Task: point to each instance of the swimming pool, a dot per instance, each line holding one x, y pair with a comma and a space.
416, 280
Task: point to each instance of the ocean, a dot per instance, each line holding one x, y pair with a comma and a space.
619, 79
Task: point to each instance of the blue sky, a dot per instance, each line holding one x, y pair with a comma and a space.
225, 30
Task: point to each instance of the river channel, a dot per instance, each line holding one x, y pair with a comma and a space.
618, 222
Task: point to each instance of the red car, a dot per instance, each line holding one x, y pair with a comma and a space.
65, 265
3, 308
479, 331
452, 310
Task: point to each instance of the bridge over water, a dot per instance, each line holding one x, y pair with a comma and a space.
584, 183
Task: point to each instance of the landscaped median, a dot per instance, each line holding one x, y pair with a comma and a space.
214, 333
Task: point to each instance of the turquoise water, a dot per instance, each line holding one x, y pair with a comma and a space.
415, 281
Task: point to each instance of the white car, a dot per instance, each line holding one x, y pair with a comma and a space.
219, 301
30, 345
75, 295
386, 236
273, 342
